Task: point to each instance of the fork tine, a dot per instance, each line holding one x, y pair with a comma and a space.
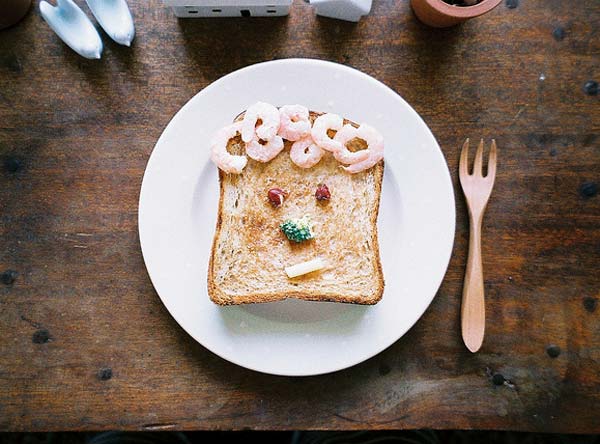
491, 169
477, 166
463, 165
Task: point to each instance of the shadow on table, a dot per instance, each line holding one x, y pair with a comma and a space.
336, 38
116, 60
361, 437
218, 48
438, 49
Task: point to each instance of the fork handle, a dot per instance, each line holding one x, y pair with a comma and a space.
473, 302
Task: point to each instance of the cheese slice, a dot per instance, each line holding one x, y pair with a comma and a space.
305, 267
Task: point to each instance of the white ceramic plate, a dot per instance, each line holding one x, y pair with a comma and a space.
178, 208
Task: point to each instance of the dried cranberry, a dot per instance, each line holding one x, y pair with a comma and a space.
276, 196
322, 192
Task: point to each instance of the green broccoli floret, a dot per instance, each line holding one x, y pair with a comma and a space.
297, 230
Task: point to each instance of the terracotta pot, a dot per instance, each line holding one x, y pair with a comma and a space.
11, 11
440, 14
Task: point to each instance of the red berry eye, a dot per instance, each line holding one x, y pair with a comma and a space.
322, 192
276, 196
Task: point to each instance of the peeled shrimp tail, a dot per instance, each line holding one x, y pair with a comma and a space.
319, 131
375, 149
218, 150
305, 153
269, 116
344, 155
364, 165
295, 122
264, 152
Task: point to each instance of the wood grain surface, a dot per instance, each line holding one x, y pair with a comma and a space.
86, 344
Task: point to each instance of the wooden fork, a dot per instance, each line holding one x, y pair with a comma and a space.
477, 190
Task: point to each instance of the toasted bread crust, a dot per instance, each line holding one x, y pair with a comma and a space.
221, 296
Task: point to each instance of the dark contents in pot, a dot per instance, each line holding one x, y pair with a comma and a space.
463, 2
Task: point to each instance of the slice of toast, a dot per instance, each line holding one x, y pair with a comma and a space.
250, 253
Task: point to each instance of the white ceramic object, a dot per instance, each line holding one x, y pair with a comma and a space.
349, 10
115, 18
73, 27
178, 211
229, 8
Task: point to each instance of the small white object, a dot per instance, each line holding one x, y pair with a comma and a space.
115, 18
73, 27
229, 8
305, 267
349, 10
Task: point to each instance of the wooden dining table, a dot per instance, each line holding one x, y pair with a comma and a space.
85, 342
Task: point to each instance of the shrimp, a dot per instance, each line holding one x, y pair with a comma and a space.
269, 116
218, 150
295, 124
344, 155
319, 130
375, 149
262, 150
305, 153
